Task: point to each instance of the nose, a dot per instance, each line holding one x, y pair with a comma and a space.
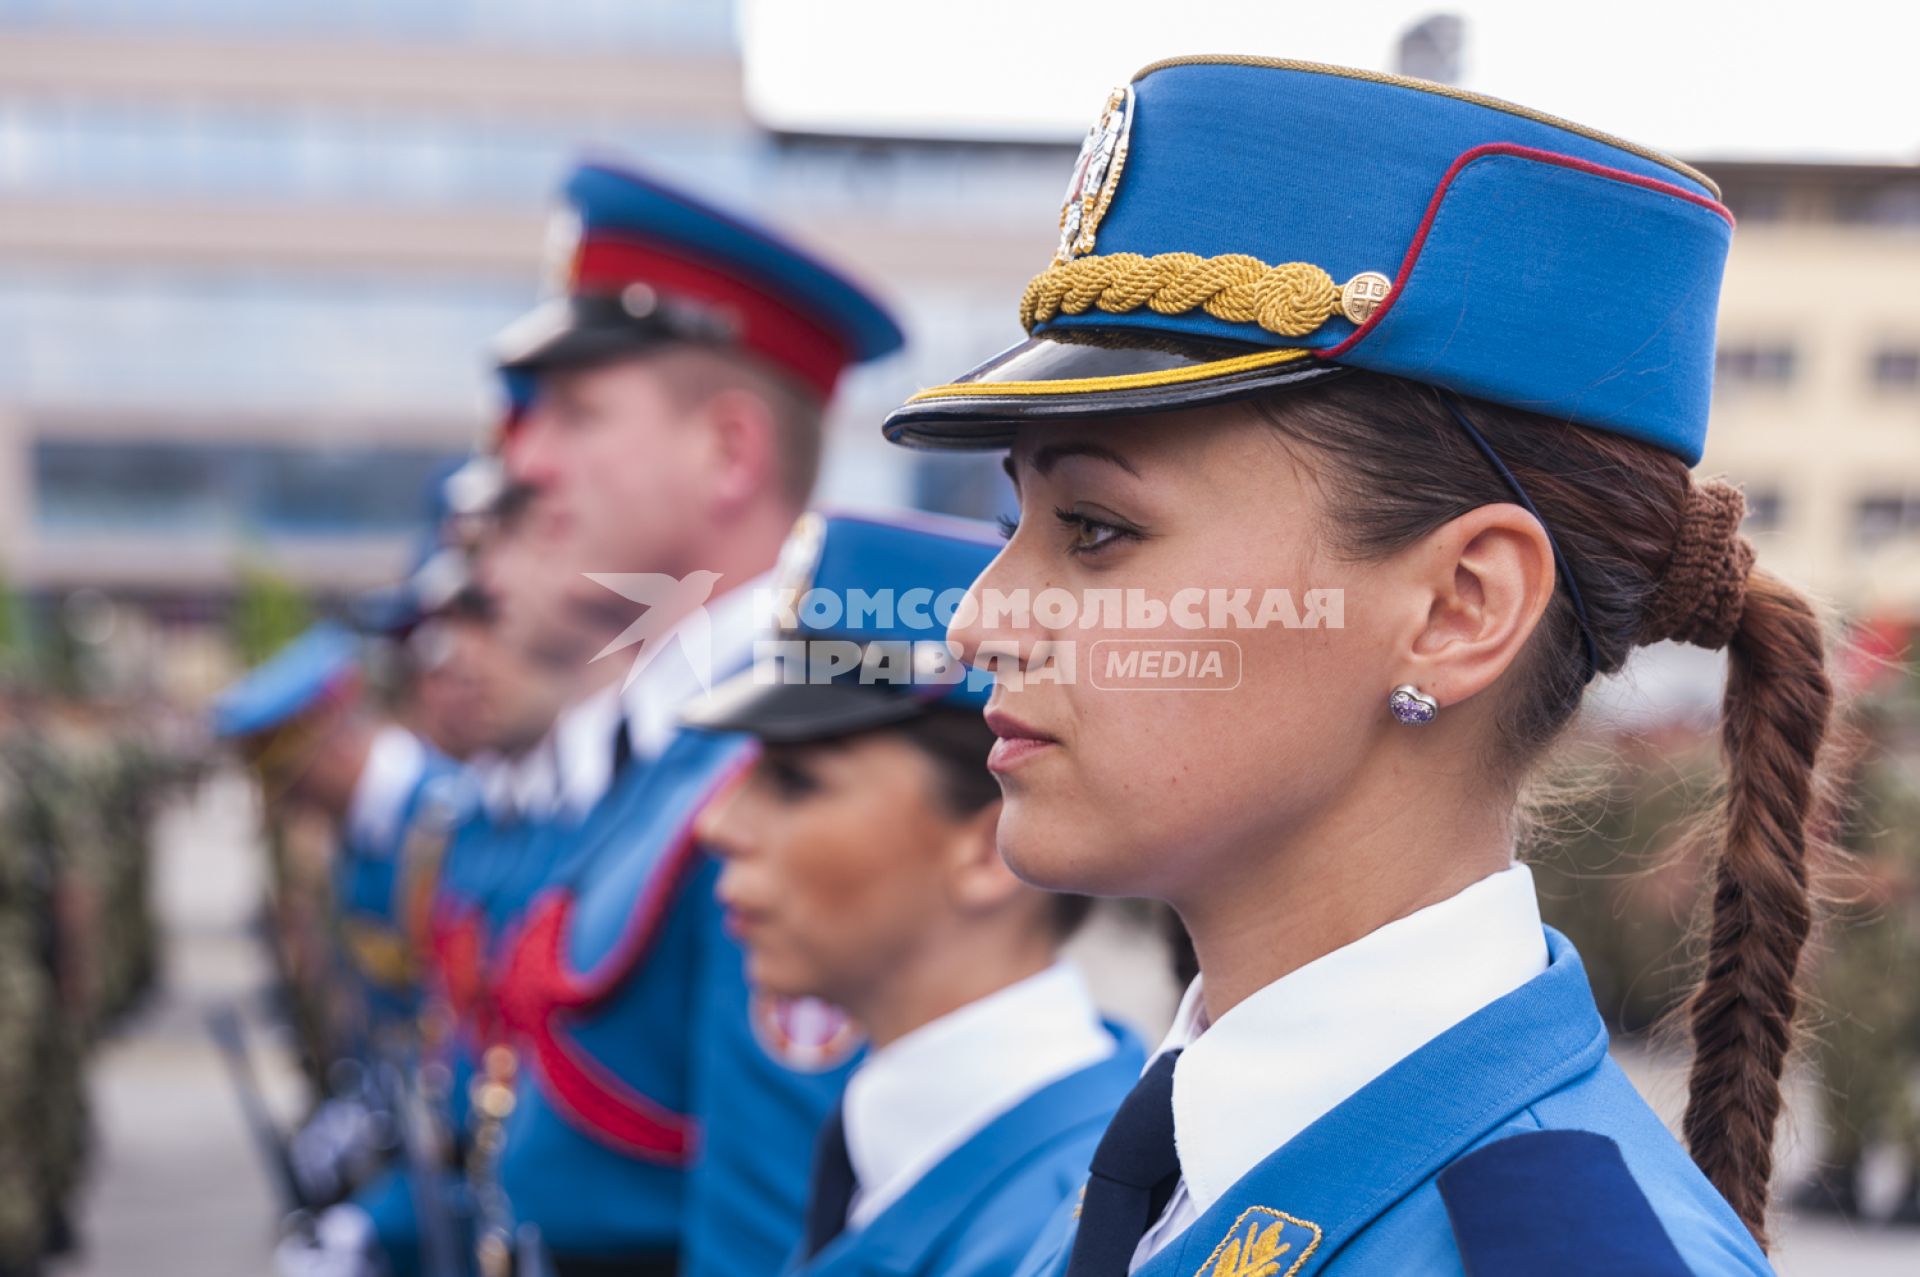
721, 824
528, 452
995, 625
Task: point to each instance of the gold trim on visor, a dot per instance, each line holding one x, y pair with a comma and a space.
1289, 300
1122, 381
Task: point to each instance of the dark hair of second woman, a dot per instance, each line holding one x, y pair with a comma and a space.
1398, 465
958, 741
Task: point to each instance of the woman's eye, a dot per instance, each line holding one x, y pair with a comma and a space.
790, 780
1008, 526
1088, 535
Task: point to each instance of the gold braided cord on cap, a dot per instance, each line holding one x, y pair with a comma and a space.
1291, 299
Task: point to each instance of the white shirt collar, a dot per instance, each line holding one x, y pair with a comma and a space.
518, 787
583, 739
535, 782
655, 697
919, 1098
1293, 1051
492, 779
394, 765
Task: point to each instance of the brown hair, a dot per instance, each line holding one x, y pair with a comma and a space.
1655, 557
958, 741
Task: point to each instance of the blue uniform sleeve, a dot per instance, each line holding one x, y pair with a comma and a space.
1560, 1202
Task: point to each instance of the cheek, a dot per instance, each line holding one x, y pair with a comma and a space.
840, 889
1194, 757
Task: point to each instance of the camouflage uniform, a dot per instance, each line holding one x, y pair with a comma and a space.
53, 828
1867, 1030
28, 1006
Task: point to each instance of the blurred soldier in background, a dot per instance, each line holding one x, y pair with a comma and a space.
79, 780
303, 724
660, 1120
503, 629
58, 829
31, 1016
1867, 1043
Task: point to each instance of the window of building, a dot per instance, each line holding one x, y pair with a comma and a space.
179, 488
1766, 510
79, 340
1897, 367
1756, 364
1880, 517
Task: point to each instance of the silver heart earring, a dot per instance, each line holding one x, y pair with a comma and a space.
1411, 705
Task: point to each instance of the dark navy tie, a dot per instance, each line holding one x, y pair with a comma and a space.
1135, 1170
833, 1183
622, 748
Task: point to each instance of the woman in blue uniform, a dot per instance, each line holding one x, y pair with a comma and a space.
861, 869
1367, 408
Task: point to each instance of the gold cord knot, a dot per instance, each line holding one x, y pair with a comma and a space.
1704, 588
1290, 300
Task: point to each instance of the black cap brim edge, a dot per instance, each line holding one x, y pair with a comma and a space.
795, 713
567, 333
984, 410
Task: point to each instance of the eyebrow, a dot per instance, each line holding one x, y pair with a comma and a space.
1048, 455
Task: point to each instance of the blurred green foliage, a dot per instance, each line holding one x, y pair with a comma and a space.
269, 611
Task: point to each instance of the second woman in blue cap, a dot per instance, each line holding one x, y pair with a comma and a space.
861, 868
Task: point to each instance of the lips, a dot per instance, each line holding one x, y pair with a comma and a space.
1017, 744
741, 922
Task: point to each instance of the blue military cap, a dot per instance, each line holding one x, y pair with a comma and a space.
440, 574
441, 577
861, 609
1236, 224
642, 263
293, 681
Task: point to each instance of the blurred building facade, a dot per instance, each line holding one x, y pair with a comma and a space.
250, 256
1817, 394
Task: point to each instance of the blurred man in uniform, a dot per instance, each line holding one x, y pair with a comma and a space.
1867, 1049
302, 723
29, 1008
676, 433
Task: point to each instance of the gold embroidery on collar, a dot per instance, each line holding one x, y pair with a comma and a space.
1256, 1251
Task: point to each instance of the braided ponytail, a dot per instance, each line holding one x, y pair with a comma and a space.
1659, 557
1778, 701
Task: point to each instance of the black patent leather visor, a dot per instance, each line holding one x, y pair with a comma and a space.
789, 713
1111, 371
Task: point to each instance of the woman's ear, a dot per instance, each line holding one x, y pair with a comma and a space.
1485, 579
977, 876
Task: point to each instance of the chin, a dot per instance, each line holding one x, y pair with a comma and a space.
780, 979
1059, 851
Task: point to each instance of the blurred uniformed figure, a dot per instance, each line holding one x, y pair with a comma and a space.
301, 722
502, 643
681, 379
56, 884
1313, 335
860, 867
31, 1018
1867, 1046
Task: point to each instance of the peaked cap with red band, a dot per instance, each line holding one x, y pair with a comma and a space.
652, 265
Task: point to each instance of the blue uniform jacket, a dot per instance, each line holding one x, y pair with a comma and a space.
976, 1212
640, 1068
1357, 1192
